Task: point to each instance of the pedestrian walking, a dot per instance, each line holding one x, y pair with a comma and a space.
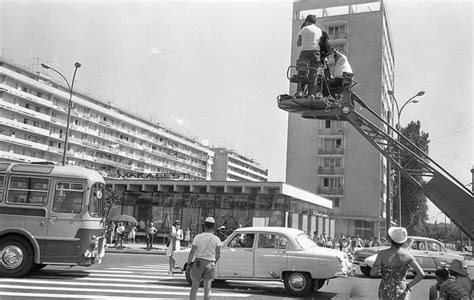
119, 235
150, 235
394, 264
132, 233
187, 237
176, 236
207, 249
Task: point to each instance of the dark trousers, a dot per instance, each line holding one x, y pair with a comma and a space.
149, 240
313, 57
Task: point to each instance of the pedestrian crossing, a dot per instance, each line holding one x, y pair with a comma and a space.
127, 282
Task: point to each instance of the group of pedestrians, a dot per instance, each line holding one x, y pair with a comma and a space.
346, 243
121, 233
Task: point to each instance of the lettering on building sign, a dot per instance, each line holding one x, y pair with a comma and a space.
155, 176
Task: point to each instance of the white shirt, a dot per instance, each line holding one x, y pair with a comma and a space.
310, 37
342, 65
206, 244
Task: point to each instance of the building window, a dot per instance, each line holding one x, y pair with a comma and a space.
336, 202
327, 124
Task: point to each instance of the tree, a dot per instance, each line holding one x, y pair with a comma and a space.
414, 207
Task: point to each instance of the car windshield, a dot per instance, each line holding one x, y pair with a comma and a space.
305, 241
406, 244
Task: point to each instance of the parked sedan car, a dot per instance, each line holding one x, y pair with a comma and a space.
430, 254
276, 253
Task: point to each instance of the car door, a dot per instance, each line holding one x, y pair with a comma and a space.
237, 256
423, 257
439, 254
270, 255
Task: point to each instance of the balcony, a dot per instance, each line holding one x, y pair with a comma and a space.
331, 131
5, 155
326, 190
336, 150
25, 95
24, 111
23, 143
22, 126
330, 170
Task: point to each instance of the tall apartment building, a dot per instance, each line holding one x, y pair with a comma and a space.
33, 114
329, 157
231, 166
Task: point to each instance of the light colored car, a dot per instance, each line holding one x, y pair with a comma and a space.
276, 253
429, 253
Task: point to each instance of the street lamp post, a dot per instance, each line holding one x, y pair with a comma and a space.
70, 86
399, 112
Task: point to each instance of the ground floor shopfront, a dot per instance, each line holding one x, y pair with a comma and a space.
232, 204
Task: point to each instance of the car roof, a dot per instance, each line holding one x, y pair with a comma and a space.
423, 238
283, 230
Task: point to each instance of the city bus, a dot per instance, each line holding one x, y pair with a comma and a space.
49, 215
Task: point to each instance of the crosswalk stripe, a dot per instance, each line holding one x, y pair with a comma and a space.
76, 283
76, 296
137, 269
217, 294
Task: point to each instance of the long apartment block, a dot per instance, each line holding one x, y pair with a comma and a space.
33, 115
231, 166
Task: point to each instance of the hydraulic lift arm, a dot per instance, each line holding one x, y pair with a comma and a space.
445, 191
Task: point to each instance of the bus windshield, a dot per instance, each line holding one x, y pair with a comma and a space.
96, 201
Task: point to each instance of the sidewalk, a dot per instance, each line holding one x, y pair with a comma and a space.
138, 248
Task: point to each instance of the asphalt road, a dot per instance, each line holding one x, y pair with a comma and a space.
140, 276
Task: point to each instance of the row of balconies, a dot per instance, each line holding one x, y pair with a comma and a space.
18, 125
49, 104
243, 168
61, 122
330, 170
330, 190
331, 131
332, 150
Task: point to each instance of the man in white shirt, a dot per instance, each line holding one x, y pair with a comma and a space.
308, 40
340, 64
207, 248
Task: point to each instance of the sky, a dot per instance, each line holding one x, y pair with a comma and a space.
213, 69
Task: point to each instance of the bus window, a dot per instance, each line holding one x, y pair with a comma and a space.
68, 197
28, 190
2, 184
96, 200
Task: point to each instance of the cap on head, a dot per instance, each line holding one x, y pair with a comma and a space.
210, 220
456, 266
398, 234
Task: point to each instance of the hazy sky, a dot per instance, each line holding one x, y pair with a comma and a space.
214, 69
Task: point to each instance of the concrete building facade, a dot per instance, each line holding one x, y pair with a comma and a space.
329, 157
231, 166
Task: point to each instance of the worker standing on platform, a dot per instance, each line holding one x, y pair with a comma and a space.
308, 40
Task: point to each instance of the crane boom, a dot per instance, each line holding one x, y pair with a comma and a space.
445, 191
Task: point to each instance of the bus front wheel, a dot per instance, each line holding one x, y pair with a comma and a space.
16, 256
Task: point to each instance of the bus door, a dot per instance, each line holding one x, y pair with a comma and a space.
65, 222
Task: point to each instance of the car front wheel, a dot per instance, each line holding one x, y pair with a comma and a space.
298, 283
365, 270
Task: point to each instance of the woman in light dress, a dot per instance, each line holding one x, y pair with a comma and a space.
176, 236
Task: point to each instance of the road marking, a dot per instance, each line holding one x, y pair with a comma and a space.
76, 283
76, 296
40, 287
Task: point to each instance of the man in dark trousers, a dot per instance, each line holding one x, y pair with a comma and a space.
207, 248
150, 235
